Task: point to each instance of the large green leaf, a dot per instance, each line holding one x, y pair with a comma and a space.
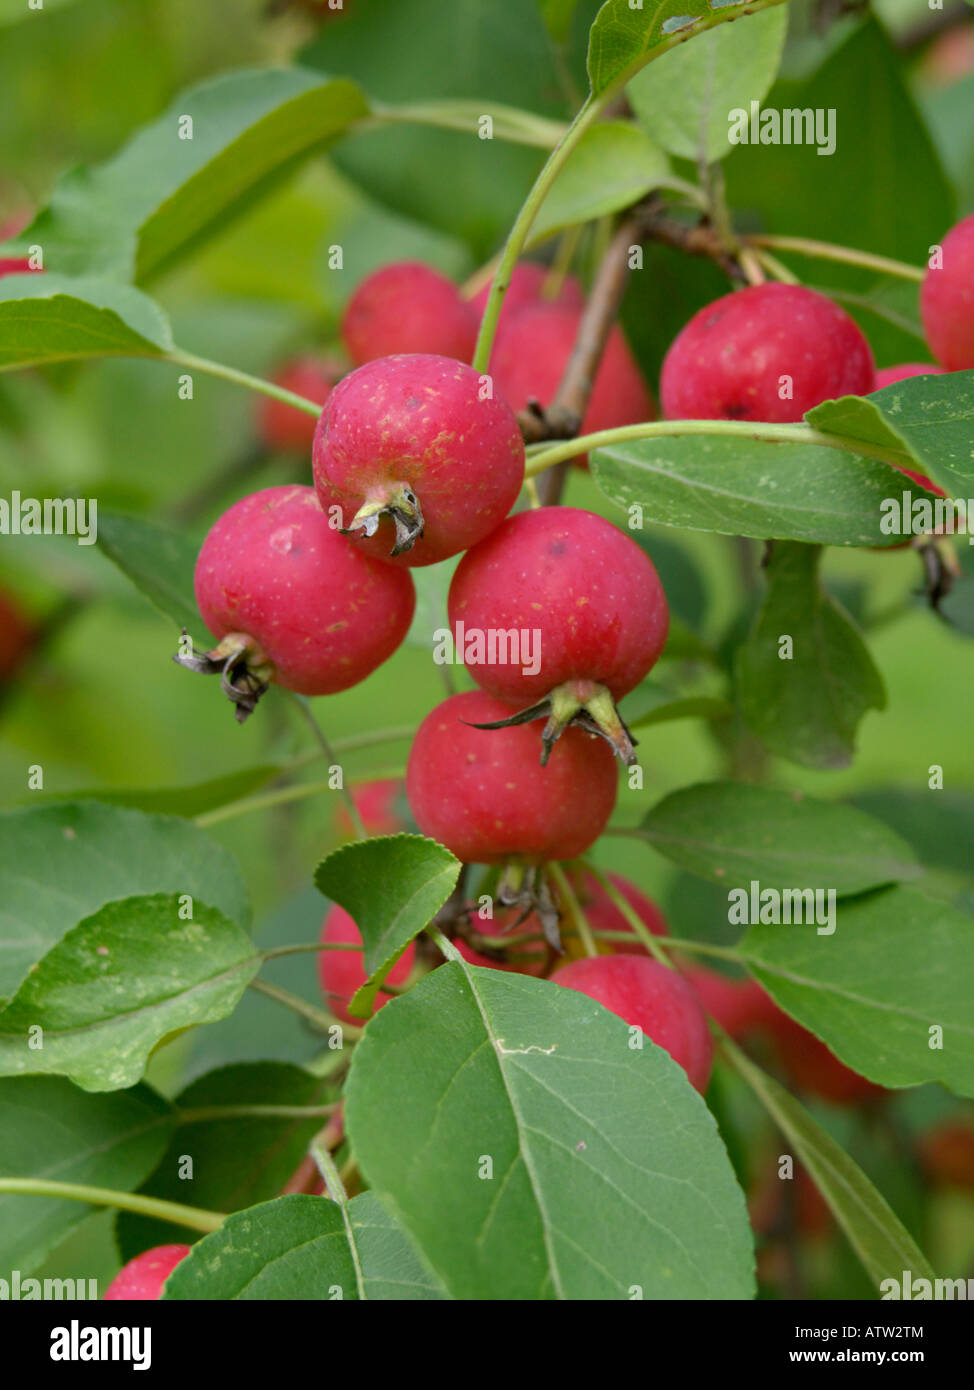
927, 420
119, 983
237, 1160
612, 166
298, 1248
167, 189
876, 1234
735, 832
391, 887
897, 966
536, 1151
51, 1130
61, 863
51, 318
684, 98
746, 487
187, 801
805, 705
939, 824
159, 560
625, 36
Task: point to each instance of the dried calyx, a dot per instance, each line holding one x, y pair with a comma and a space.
401, 506
244, 670
584, 704
526, 887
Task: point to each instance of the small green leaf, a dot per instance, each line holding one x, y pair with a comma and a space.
118, 984
392, 887
237, 1160
612, 166
51, 318
49, 1129
535, 1153
897, 972
805, 705
876, 1234
733, 832
61, 863
160, 562
685, 98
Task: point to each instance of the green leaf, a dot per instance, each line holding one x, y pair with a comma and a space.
237, 1161
59, 864
159, 560
167, 190
298, 1248
51, 1130
625, 37
51, 318
928, 420
938, 824
746, 487
392, 887
733, 832
685, 98
534, 1153
805, 706
613, 165
118, 984
898, 965
188, 801
876, 1234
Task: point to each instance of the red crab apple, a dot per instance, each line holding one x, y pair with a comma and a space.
602, 914
527, 288
527, 958
947, 300
290, 601
812, 1067
652, 997
770, 352
888, 376
589, 609
341, 973
485, 798
376, 802
408, 308
284, 428
947, 1154
531, 352
17, 636
414, 443
142, 1278
741, 1007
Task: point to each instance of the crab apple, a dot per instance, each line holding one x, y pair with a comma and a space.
284, 428
414, 442
947, 300
485, 798
947, 1154
142, 1278
812, 1067
341, 973
587, 603
525, 958
527, 288
769, 352
888, 376
602, 914
408, 307
17, 635
652, 997
741, 1007
13, 265
378, 805
531, 352
291, 601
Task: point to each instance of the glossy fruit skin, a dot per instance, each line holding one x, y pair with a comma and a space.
341, 973
741, 1007
811, 1067
603, 915
418, 420
531, 352
889, 376
527, 283
589, 590
376, 803
947, 300
726, 363
325, 614
141, 1280
649, 996
484, 795
408, 307
283, 428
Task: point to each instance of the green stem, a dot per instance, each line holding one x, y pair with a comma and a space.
303, 705
298, 792
309, 946
255, 1112
570, 899
336, 1191
643, 933
847, 255
297, 1005
446, 947
541, 459
182, 358
511, 123
194, 1217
